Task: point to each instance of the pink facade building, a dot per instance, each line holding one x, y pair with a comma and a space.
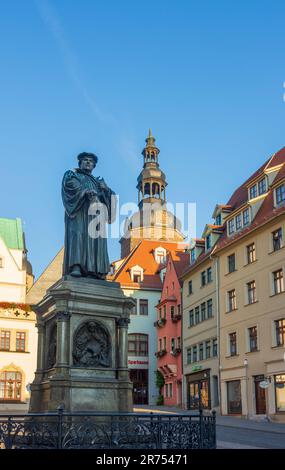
168, 324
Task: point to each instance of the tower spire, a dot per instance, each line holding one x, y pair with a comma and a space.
151, 181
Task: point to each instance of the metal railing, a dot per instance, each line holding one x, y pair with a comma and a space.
63, 430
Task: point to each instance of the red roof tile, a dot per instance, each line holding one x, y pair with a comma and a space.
142, 255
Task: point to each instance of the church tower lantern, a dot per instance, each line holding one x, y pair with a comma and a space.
151, 181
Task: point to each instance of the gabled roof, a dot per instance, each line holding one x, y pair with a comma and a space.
267, 211
11, 232
143, 255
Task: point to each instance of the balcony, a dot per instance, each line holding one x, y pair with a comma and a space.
160, 353
160, 323
175, 318
175, 352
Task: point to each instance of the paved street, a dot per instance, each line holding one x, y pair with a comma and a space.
237, 433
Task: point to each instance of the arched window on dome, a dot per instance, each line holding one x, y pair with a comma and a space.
147, 189
156, 190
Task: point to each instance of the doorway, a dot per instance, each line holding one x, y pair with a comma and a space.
260, 398
139, 378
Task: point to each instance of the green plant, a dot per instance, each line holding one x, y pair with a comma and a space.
160, 400
159, 380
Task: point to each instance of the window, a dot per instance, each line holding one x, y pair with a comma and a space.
231, 263
238, 222
192, 255
209, 308
189, 355
280, 332
178, 342
164, 311
278, 281
10, 385
172, 344
219, 219
190, 288
251, 292
215, 347
1, 263
231, 226
172, 312
245, 215
5, 341
208, 242
208, 349
191, 318
280, 194
201, 351
164, 342
252, 336
170, 390
137, 345
143, 307
160, 344
194, 350
203, 278
197, 315
134, 309
137, 276
232, 302
250, 253
20, 341
172, 285
178, 309
160, 257
277, 239
262, 186
203, 311
253, 191
279, 383
233, 344
209, 275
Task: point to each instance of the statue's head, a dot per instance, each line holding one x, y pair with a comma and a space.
87, 161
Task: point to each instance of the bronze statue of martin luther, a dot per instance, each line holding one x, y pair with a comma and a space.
89, 204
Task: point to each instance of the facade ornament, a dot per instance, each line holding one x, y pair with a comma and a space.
92, 346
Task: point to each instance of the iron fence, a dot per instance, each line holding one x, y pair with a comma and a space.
63, 430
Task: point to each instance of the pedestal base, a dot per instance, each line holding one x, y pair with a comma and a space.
82, 348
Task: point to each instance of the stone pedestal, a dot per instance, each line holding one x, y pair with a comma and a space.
82, 348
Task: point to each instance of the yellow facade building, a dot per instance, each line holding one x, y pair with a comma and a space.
18, 334
245, 250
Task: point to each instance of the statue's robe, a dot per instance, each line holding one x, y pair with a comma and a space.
79, 247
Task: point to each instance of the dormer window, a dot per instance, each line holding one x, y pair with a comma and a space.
238, 222
262, 186
231, 226
246, 217
258, 188
208, 241
160, 255
136, 274
253, 191
192, 255
280, 194
218, 219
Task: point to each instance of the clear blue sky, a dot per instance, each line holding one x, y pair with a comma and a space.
206, 76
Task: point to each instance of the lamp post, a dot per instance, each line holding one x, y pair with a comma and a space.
245, 363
